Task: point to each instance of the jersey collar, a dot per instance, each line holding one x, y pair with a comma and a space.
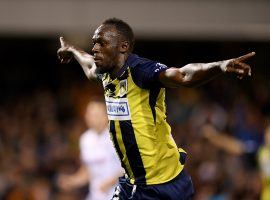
131, 61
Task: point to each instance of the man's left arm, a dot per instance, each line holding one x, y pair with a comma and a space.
198, 73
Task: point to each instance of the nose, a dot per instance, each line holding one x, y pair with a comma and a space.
95, 48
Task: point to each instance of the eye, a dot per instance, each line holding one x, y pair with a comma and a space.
102, 43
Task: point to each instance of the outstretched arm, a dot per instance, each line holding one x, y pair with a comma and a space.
198, 73
67, 51
222, 141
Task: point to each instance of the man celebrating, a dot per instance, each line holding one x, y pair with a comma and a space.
134, 89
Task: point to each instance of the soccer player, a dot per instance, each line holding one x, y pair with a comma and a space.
134, 90
100, 165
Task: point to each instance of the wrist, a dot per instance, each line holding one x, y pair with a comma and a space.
71, 49
224, 64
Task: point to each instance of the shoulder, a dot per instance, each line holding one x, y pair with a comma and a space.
87, 137
145, 72
143, 64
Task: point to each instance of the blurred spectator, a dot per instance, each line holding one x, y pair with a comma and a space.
100, 166
40, 131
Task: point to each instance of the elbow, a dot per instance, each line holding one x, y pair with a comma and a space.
188, 81
177, 84
174, 78
187, 78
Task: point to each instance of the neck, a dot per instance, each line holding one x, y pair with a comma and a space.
99, 129
121, 61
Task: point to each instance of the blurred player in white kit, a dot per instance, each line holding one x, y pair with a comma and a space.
100, 165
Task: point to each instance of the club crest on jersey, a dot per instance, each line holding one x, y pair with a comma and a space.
122, 88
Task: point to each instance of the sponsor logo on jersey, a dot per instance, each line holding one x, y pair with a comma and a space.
117, 109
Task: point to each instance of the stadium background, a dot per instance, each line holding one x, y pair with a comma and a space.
42, 102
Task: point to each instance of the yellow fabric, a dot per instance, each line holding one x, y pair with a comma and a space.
264, 159
157, 148
122, 147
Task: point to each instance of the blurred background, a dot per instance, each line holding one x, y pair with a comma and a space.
42, 102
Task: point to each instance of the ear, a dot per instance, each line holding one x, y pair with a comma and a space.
124, 47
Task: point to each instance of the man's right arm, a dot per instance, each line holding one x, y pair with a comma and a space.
67, 51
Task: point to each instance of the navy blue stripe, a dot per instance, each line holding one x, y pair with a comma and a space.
116, 145
182, 158
153, 95
132, 152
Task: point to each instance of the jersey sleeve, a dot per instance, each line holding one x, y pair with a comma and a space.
146, 74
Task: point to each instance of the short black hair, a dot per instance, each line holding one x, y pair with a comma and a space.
123, 28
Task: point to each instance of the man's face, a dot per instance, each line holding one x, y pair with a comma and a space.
106, 41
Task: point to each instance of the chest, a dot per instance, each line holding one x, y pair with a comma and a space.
117, 94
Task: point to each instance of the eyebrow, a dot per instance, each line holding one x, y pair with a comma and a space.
98, 39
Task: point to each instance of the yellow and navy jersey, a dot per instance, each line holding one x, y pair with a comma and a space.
136, 109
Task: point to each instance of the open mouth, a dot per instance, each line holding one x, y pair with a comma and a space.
97, 59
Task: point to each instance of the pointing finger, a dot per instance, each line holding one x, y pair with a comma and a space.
245, 57
62, 42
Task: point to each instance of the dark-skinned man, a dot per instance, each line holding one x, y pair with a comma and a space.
134, 90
